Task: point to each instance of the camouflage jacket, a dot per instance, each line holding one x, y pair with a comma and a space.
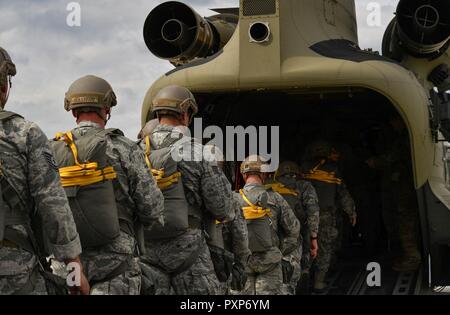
28, 164
308, 201
331, 196
205, 186
284, 222
236, 231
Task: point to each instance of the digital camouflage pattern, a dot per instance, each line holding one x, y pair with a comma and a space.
136, 192
236, 237
269, 283
28, 164
397, 183
237, 233
307, 209
332, 197
264, 268
206, 187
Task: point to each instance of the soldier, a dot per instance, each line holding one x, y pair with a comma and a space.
110, 190
227, 241
273, 231
397, 179
333, 195
193, 188
302, 198
30, 191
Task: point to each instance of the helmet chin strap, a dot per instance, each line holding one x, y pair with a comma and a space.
5, 100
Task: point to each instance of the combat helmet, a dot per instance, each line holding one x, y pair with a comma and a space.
174, 98
288, 168
320, 149
7, 70
90, 92
254, 164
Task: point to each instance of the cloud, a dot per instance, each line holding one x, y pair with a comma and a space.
50, 55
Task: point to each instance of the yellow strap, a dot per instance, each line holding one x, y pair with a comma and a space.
68, 139
147, 152
81, 174
253, 212
322, 176
166, 182
281, 189
161, 181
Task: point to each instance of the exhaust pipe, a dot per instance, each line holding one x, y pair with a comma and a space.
421, 27
174, 31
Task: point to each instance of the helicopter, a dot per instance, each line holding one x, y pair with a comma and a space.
297, 64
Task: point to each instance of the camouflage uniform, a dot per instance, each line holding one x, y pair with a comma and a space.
205, 187
397, 182
265, 275
136, 191
331, 198
236, 241
28, 164
306, 208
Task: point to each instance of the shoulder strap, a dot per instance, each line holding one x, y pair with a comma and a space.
112, 132
5, 115
253, 212
282, 189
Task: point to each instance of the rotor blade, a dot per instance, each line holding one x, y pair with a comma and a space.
234, 11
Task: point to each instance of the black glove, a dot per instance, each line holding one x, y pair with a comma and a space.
239, 277
288, 271
222, 261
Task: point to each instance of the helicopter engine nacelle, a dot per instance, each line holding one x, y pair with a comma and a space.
421, 29
174, 31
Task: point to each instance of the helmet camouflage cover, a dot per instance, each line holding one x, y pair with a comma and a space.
90, 92
287, 168
176, 99
254, 164
7, 70
320, 149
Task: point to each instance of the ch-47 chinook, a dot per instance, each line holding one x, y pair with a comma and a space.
297, 64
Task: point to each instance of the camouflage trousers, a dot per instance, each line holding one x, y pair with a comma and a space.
268, 283
295, 259
225, 287
165, 257
408, 230
100, 264
327, 238
17, 269
306, 249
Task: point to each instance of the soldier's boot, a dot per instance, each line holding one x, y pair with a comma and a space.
303, 284
411, 258
320, 285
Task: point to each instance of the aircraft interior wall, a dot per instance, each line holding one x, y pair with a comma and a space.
355, 122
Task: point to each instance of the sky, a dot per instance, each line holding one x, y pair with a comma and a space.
50, 55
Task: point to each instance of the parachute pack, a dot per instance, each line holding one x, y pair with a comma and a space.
87, 181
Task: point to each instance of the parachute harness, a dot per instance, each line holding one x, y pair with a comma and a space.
282, 190
162, 182
82, 174
253, 212
322, 176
